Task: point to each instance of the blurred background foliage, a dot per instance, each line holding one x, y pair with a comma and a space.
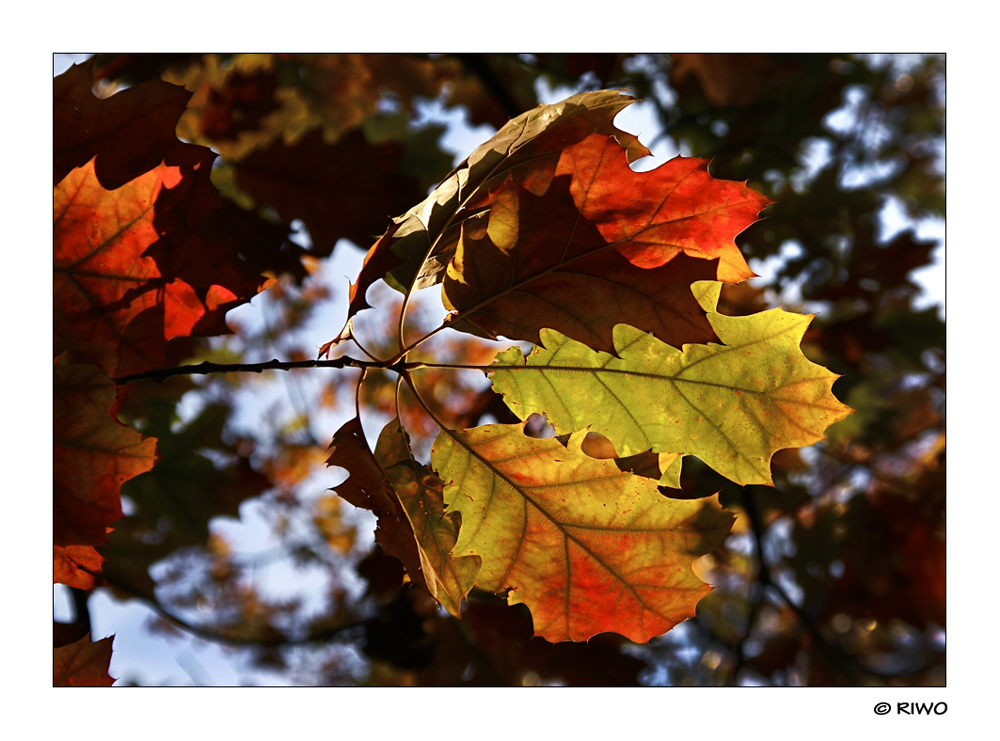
834, 577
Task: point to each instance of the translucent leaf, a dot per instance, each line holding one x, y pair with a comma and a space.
587, 547
732, 405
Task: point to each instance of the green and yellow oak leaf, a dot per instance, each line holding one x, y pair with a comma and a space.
587, 547
733, 405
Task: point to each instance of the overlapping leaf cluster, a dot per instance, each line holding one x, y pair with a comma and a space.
332, 141
545, 234
146, 255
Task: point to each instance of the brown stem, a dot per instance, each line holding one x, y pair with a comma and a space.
203, 369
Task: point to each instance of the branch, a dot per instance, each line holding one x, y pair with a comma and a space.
203, 369
844, 661
215, 636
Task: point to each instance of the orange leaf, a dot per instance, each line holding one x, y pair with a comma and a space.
416, 249
110, 305
379, 261
587, 547
75, 566
216, 248
652, 216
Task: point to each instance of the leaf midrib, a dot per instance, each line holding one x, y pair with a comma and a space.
559, 525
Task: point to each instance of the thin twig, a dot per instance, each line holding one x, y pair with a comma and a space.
215, 637
205, 368
840, 658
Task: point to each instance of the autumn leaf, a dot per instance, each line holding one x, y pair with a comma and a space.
411, 524
94, 455
218, 250
424, 238
419, 490
110, 305
533, 262
227, 255
587, 547
379, 260
83, 664
652, 216
368, 488
731, 405
130, 133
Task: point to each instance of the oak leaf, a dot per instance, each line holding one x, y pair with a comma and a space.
587, 547
533, 261
423, 239
130, 132
76, 566
731, 405
420, 492
112, 304
652, 216
216, 248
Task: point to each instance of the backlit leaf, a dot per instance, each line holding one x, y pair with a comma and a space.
130, 132
76, 566
651, 216
731, 405
368, 488
533, 262
419, 490
110, 306
424, 238
587, 547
